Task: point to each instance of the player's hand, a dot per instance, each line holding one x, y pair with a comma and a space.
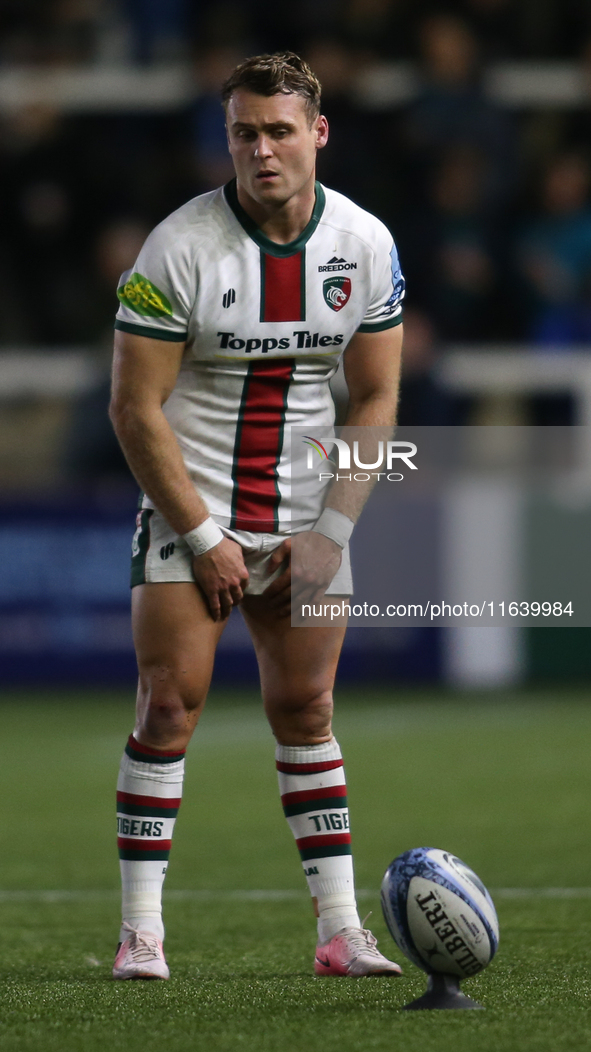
222, 577
313, 561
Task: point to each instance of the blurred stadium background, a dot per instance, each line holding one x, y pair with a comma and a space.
465, 126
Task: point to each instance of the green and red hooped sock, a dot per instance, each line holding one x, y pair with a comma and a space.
314, 798
149, 791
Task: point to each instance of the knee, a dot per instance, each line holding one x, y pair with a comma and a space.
168, 707
305, 719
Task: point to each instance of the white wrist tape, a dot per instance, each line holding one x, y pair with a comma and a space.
334, 525
204, 537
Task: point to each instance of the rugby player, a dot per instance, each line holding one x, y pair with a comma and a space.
230, 326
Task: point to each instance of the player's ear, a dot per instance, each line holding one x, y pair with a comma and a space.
321, 132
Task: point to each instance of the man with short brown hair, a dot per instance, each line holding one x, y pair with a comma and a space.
231, 325
282, 74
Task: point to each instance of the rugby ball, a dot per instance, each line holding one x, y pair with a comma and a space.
439, 912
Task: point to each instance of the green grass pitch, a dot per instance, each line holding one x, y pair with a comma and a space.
503, 781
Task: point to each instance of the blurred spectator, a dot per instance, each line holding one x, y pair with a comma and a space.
133, 163
451, 250
211, 161
67, 186
528, 29
159, 29
344, 163
44, 236
577, 135
90, 450
279, 27
552, 28
48, 31
423, 401
452, 109
228, 23
72, 35
378, 29
498, 24
117, 247
554, 255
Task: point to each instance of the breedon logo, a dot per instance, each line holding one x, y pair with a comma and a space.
337, 264
336, 292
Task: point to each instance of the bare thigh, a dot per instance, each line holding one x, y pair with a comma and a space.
297, 668
175, 641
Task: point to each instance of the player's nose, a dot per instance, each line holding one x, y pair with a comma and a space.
263, 147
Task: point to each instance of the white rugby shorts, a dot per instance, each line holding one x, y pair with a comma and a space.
158, 554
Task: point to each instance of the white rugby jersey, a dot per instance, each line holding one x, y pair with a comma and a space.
264, 325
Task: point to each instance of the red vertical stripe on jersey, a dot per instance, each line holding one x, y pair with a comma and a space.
259, 440
282, 290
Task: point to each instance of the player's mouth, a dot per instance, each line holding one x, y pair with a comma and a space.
266, 176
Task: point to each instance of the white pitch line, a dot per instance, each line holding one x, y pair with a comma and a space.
541, 893
262, 894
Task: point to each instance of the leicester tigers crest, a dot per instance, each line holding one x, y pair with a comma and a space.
336, 292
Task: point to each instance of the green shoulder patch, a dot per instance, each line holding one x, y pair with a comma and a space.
141, 296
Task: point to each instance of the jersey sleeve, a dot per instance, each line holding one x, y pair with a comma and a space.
157, 294
387, 292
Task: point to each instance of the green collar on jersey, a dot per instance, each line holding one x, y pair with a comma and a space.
272, 248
